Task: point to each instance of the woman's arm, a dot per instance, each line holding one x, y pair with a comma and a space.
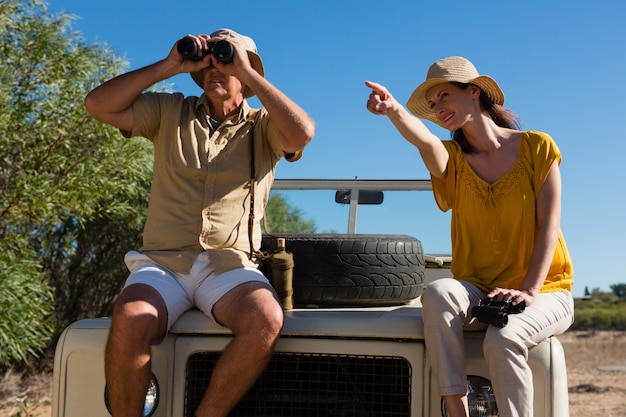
434, 154
548, 213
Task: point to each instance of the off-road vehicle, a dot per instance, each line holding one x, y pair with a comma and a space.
353, 345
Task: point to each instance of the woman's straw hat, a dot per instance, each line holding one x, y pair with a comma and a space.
451, 69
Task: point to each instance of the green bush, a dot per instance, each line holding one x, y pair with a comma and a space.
26, 304
73, 192
600, 315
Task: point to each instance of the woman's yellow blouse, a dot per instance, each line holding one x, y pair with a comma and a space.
493, 225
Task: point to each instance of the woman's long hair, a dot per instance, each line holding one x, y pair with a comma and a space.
502, 117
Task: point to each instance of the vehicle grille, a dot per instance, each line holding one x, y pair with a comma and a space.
314, 385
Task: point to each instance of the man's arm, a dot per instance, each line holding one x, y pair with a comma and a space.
112, 102
296, 127
294, 124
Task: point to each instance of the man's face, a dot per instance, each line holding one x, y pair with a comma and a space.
221, 86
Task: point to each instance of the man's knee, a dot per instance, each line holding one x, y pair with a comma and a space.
249, 310
139, 313
268, 320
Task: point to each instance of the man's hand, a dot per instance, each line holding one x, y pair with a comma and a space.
191, 65
239, 67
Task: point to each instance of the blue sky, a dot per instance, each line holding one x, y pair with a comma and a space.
560, 63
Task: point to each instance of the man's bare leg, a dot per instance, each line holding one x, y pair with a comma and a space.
139, 318
255, 317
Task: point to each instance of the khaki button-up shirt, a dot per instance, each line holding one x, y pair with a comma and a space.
200, 195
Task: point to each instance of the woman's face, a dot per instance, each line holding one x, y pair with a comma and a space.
452, 105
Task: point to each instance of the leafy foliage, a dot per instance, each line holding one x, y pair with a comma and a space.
25, 301
603, 311
281, 217
73, 195
619, 290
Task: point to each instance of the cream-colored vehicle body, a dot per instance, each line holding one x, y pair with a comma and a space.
365, 361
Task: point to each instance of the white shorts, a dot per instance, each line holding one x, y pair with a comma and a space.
200, 288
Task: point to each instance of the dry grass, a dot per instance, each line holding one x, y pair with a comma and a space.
596, 372
25, 395
596, 363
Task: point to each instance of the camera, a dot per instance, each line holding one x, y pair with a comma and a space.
495, 312
221, 49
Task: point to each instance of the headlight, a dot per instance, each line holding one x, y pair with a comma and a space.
480, 398
151, 402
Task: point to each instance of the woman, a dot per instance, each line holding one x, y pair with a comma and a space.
503, 186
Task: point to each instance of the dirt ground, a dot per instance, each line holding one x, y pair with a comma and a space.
596, 364
596, 373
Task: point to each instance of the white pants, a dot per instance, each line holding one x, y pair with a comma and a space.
447, 305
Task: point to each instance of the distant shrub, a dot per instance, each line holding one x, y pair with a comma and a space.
600, 315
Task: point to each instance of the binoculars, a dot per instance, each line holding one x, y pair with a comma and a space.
495, 312
222, 50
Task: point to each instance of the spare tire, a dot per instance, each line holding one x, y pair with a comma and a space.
354, 270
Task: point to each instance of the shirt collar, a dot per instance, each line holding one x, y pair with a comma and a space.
244, 109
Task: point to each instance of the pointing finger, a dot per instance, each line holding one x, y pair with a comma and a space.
378, 89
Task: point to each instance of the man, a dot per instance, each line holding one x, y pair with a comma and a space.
196, 248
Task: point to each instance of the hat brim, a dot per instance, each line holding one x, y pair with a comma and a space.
255, 61
418, 105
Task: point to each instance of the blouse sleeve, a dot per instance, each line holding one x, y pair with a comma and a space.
443, 190
543, 152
